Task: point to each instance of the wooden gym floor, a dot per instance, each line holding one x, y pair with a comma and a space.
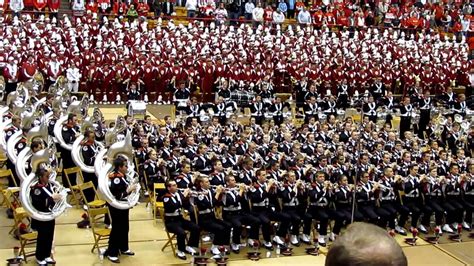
73, 245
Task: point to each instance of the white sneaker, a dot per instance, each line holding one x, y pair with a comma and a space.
206, 238
250, 242
49, 260
448, 229
332, 237
278, 240
400, 230
454, 226
466, 226
422, 229
322, 240
294, 240
41, 262
267, 244
191, 250
305, 238
215, 250
181, 255
235, 247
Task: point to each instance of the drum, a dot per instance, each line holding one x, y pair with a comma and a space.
242, 98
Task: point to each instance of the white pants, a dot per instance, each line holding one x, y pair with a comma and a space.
73, 86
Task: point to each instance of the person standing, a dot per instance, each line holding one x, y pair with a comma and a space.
120, 188
73, 77
425, 105
405, 116
43, 199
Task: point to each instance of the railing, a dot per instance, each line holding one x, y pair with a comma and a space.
287, 22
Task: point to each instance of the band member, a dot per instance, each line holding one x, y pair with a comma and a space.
277, 111
173, 202
425, 105
154, 169
343, 201
294, 201
43, 199
69, 134
263, 199
236, 212
370, 109
257, 110
468, 196
452, 205
89, 150
310, 109
205, 201
320, 194
412, 199
405, 116
16, 125
434, 198
388, 200
120, 188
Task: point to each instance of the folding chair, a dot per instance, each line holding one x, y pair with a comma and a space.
100, 232
13, 203
170, 236
28, 240
154, 203
6, 174
96, 203
75, 191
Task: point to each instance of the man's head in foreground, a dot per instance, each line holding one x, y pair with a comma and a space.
365, 244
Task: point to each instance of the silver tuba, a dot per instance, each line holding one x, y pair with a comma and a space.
26, 124
41, 159
123, 148
74, 108
24, 156
76, 153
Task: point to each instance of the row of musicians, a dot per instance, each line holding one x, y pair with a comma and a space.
293, 203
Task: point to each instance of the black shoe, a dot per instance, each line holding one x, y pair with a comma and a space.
181, 255
113, 259
128, 253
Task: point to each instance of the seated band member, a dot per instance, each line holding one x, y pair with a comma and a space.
173, 202
262, 196
205, 200
293, 196
236, 211
118, 241
320, 194
43, 199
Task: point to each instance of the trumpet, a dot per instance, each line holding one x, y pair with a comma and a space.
192, 192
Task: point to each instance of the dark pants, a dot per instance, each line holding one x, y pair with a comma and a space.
10, 87
219, 228
89, 193
468, 204
435, 206
391, 212
11, 182
44, 242
369, 212
258, 119
414, 208
68, 163
179, 226
266, 215
423, 124
278, 119
237, 220
118, 240
295, 219
344, 214
405, 122
319, 213
454, 209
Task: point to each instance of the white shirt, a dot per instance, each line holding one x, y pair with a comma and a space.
304, 17
278, 17
191, 5
249, 7
78, 5
73, 74
16, 5
257, 14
